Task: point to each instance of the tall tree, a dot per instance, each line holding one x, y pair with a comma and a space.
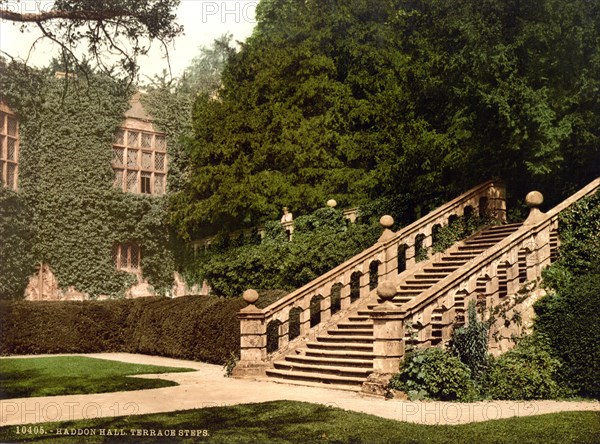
404, 101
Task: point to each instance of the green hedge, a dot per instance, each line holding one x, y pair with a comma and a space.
201, 328
570, 320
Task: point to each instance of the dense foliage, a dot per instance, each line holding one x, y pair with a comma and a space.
16, 258
570, 320
568, 314
470, 343
436, 374
407, 102
579, 252
321, 241
528, 371
73, 213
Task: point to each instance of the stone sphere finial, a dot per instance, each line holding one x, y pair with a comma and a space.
386, 221
250, 296
386, 290
534, 199
331, 203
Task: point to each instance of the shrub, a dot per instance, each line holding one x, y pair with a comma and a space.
528, 371
570, 321
196, 328
470, 343
434, 373
321, 241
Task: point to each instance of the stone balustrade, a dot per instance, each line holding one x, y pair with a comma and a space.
282, 326
504, 278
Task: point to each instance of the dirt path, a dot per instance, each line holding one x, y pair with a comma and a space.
207, 387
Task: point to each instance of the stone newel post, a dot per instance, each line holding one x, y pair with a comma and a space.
388, 345
541, 255
253, 339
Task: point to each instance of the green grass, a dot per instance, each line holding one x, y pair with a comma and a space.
297, 422
70, 375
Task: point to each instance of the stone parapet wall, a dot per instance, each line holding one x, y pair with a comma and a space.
504, 278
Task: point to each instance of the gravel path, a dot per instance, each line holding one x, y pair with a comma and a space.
207, 387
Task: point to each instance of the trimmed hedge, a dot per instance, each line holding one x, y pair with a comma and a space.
200, 328
570, 321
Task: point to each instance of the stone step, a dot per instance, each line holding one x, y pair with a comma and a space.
341, 346
347, 338
482, 243
399, 300
351, 325
447, 269
473, 249
346, 388
332, 361
359, 318
448, 263
322, 379
417, 287
422, 281
334, 354
455, 260
351, 332
505, 227
352, 372
431, 275
460, 254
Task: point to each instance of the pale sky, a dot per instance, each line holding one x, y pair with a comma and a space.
203, 21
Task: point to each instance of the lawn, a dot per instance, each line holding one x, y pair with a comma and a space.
297, 422
70, 375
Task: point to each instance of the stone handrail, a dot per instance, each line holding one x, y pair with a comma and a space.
354, 279
496, 273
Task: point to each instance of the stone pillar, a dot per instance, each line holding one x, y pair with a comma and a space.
497, 201
345, 296
253, 340
541, 251
391, 262
388, 345
388, 334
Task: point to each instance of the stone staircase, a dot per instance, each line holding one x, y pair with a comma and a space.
342, 357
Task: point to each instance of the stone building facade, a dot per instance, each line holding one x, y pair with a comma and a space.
140, 165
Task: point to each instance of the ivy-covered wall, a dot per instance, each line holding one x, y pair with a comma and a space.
66, 187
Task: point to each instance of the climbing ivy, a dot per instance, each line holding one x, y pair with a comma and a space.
65, 180
16, 259
321, 241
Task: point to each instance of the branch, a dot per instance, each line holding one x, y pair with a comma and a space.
87, 15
